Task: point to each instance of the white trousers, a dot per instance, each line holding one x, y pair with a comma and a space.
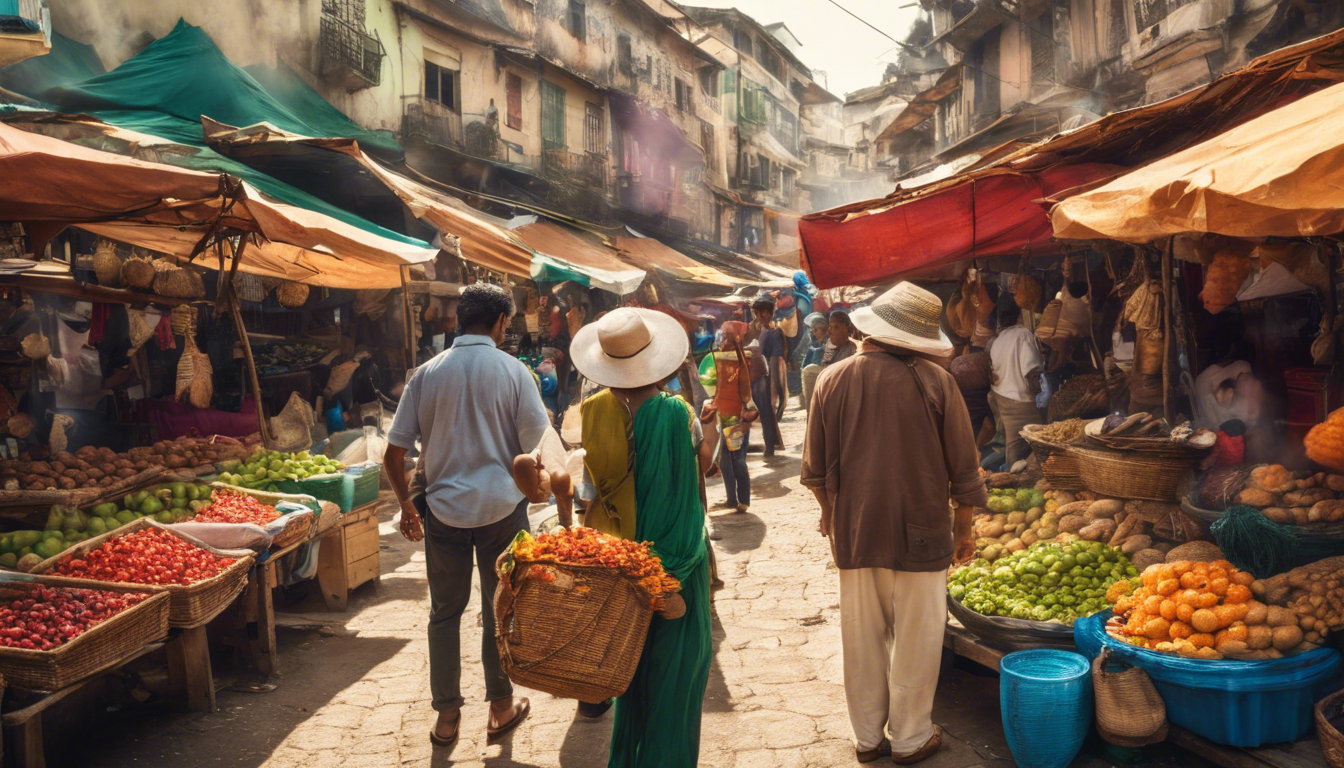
891, 631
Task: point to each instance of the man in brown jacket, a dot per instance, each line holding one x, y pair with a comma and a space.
889, 446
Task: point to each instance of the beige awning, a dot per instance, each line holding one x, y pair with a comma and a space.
1280, 174
650, 254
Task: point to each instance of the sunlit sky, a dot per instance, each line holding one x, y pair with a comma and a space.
852, 55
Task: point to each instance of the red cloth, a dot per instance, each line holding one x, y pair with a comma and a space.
175, 419
98, 323
164, 332
992, 215
1228, 450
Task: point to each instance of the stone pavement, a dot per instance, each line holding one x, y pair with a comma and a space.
359, 695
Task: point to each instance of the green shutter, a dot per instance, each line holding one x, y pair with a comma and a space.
552, 116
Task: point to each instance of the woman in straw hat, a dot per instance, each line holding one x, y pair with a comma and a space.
889, 444
645, 455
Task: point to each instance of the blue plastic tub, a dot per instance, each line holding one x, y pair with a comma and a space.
1045, 697
1237, 703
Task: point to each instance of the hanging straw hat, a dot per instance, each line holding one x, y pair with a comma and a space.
630, 348
906, 316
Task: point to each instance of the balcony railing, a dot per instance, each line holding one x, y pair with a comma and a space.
589, 169
432, 123
350, 52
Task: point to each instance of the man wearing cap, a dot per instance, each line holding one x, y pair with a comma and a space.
474, 408
889, 445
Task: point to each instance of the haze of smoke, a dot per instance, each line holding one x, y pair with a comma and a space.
247, 31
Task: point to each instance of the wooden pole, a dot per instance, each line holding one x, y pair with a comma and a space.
1166, 330
408, 317
238, 326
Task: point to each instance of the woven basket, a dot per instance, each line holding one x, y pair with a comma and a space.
249, 287
1130, 711
1057, 464
1332, 741
191, 606
102, 647
298, 528
1129, 475
572, 631
178, 283
106, 264
291, 294
138, 273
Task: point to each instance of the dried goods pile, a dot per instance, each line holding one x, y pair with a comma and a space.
1205, 610
1315, 594
587, 547
1060, 431
1048, 582
233, 507
89, 467
44, 618
148, 556
1294, 498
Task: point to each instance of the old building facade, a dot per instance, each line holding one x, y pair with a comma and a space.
981, 73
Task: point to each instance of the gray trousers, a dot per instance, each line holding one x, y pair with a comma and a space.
448, 560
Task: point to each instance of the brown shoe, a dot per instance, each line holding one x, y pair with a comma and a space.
520, 709
869, 755
437, 735
930, 748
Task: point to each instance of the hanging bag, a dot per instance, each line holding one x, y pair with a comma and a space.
1130, 712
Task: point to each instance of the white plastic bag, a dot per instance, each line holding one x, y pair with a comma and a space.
244, 535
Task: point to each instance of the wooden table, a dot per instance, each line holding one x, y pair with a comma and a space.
1305, 753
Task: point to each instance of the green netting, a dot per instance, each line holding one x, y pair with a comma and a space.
69, 62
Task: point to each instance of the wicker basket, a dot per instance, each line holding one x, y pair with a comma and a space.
291, 294
297, 528
1332, 741
102, 647
1130, 711
249, 287
572, 631
191, 606
1129, 475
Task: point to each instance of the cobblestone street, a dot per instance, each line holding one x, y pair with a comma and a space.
357, 694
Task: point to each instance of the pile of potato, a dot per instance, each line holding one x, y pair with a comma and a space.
1294, 498
1314, 593
1143, 530
89, 467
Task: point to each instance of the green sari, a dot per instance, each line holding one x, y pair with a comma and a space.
657, 721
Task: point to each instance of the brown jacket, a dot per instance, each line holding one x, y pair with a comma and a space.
889, 462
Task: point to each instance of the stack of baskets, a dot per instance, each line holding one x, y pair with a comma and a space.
1134, 474
576, 632
1058, 465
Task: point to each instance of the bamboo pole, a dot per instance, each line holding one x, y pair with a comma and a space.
1166, 330
262, 425
408, 317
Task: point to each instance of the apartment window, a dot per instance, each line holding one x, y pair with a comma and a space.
578, 21
771, 61
796, 88
786, 186
625, 59
754, 108
441, 86
742, 41
594, 132
552, 116
683, 96
513, 92
707, 143
709, 82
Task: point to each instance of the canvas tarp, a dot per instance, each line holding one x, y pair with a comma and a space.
478, 240
170, 209
562, 255
650, 254
1280, 174
68, 62
847, 246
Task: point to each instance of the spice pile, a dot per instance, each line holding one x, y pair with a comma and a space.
148, 556
49, 617
1060, 431
233, 507
585, 546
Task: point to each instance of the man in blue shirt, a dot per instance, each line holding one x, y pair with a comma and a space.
473, 408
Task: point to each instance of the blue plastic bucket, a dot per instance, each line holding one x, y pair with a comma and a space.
1237, 703
1046, 700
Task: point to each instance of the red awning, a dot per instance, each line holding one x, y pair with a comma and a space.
959, 218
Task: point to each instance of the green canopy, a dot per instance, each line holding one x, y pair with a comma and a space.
184, 74
285, 85
68, 62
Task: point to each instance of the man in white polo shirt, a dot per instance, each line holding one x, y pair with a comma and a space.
474, 408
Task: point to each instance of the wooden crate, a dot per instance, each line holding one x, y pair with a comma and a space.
349, 555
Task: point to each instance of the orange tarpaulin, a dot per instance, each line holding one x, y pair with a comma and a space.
1281, 174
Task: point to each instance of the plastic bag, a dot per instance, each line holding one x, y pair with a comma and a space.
244, 535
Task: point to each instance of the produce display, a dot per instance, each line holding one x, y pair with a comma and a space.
233, 507
1325, 441
587, 547
1046, 582
1313, 592
44, 618
1293, 498
147, 556
38, 469
1065, 431
1204, 610
262, 470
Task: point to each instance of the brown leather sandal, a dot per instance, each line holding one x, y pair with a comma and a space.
524, 708
929, 749
869, 755
440, 741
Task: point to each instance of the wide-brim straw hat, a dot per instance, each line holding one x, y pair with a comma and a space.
630, 347
906, 316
